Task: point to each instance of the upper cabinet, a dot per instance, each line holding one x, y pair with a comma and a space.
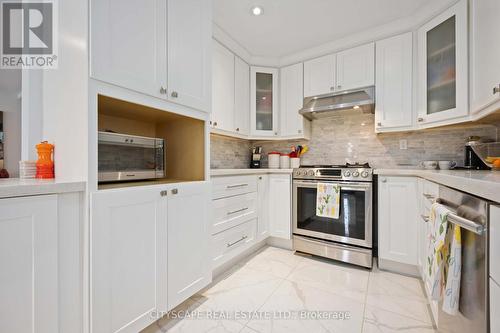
346, 70
485, 56
222, 88
319, 75
356, 67
443, 67
264, 101
189, 51
129, 46
292, 124
241, 97
393, 108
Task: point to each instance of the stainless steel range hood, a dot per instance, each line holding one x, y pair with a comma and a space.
325, 105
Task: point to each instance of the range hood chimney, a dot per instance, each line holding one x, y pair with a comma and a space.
317, 107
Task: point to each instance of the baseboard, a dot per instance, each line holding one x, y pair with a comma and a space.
397, 267
286, 244
233, 261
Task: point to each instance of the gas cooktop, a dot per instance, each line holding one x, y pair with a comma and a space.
345, 172
334, 166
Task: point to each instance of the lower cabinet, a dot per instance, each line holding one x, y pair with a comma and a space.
263, 207
148, 253
494, 306
280, 206
397, 224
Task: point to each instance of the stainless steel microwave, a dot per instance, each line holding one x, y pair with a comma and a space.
123, 157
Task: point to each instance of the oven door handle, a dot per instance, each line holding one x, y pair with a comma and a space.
343, 185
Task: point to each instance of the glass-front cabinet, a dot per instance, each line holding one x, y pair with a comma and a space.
442, 67
264, 101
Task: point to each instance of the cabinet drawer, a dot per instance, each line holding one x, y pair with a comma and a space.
224, 187
495, 242
231, 211
228, 244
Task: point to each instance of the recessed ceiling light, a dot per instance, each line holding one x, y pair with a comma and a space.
256, 10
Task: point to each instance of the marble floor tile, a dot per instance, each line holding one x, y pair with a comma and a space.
273, 260
292, 301
348, 281
381, 321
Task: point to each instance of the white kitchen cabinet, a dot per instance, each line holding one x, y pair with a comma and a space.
397, 221
263, 207
222, 87
394, 67
241, 97
128, 259
280, 206
292, 124
319, 75
494, 306
29, 260
264, 106
356, 67
129, 44
189, 52
443, 68
189, 268
485, 56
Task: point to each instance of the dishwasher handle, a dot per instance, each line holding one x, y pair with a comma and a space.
467, 224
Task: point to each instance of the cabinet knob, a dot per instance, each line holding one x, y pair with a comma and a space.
210, 122
163, 193
300, 131
339, 86
174, 94
260, 177
383, 180
275, 133
420, 120
496, 90
237, 129
215, 123
332, 88
379, 124
163, 91
175, 191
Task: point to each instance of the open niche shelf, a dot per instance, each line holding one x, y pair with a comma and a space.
184, 138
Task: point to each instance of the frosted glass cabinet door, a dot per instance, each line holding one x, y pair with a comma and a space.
264, 101
443, 66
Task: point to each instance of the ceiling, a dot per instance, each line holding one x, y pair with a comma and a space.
290, 26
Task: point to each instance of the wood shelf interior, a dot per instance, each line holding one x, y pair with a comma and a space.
184, 138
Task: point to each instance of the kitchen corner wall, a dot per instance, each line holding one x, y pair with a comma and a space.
350, 136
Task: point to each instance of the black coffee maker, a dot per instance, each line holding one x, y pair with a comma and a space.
255, 157
472, 161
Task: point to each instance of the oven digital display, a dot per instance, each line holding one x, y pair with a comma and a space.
330, 172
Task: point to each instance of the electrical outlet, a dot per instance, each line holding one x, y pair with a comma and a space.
403, 144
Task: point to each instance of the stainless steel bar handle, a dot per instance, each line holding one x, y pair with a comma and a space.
237, 211
236, 186
466, 224
239, 240
429, 197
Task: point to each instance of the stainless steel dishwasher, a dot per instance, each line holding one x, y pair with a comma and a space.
472, 215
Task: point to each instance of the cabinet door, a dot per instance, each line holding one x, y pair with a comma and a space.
241, 96
189, 52
485, 52
397, 219
292, 87
442, 66
393, 109
128, 259
222, 87
28, 257
280, 201
188, 237
263, 208
128, 44
494, 306
319, 75
356, 67
264, 101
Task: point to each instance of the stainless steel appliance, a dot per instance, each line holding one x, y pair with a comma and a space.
123, 157
317, 107
255, 161
348, 238
471, 160
471, 214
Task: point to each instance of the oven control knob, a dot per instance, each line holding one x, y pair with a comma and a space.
347, 173
355, 174
310, 173
364, 174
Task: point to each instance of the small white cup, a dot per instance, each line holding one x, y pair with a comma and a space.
447, 165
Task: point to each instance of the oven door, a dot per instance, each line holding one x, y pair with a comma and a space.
354, 225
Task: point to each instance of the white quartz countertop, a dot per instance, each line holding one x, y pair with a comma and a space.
15, 187
234, 172
485, 184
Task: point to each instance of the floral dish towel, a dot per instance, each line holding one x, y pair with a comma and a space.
328, 200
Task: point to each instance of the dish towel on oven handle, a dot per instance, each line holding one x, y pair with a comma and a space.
328, 200
445, 259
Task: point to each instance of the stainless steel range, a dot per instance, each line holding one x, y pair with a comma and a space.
347, 238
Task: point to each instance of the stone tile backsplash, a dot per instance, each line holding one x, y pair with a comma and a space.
351, 137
